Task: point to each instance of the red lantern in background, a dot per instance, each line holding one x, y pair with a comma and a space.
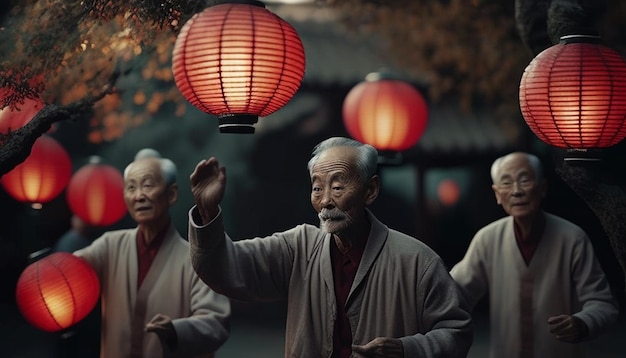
57, 291
387, 113
15, 119
238, 62
95, 194
448, 192
573, 94
42, 176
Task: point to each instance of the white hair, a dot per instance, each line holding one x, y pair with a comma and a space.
366, 161
168, 168
534, 162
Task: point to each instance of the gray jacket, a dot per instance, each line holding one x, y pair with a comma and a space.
402, 288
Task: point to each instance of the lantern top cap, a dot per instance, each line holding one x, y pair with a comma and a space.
242, 2
570, 39
95, 159
383, 74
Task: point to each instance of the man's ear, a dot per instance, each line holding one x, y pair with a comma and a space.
497, 194
373, 188
172, 194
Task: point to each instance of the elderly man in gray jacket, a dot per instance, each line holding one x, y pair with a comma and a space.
353, 286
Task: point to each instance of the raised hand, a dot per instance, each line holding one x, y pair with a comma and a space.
208, 183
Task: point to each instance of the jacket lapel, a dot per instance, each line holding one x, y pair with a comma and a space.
375, 242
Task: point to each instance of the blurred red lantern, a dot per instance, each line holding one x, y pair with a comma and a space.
42, 176
95, 194
387, 113
238, 61
14, 119
57, 291
448, 192
573, 94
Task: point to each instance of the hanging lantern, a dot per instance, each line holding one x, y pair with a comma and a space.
387, 113
238, 61
57, 291
448, 192
42, 176
573, 94
95, 194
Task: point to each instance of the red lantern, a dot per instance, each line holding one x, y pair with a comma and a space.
42, 176
57, 291
16, 119
387, 113
573, 94
448, 192
95, 194
238, 62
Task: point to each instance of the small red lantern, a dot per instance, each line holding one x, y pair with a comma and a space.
573, 94
387, 113
95, 194
42, 176
448, 192
238, 61
14, 119
57, 291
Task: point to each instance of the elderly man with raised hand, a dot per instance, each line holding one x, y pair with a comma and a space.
153, 303
546, 287
353, 286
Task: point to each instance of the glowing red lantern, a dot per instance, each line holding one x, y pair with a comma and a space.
387, 113
573, 94
238, 62
95, 194
14, 119
448, 192
57, 291
42, 176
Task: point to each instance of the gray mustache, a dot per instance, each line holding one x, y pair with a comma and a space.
331, 214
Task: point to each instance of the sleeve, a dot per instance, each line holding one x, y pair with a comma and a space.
448, 326
209, 325
96, 253
470, 273
599, 307
257, 269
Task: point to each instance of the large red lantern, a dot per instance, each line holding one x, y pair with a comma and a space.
238, 61
387, 113
42, 176
573, 94
95, 194
57, 291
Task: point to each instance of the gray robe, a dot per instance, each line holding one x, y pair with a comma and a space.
171, 287
563, 277
401, 290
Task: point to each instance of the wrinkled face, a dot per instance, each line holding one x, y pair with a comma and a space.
146, 195
337, 194
517, 189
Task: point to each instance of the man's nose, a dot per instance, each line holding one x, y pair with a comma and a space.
517, 188
327, 200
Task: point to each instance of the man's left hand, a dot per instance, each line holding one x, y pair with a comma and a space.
567, 328
164, 328
380, 347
